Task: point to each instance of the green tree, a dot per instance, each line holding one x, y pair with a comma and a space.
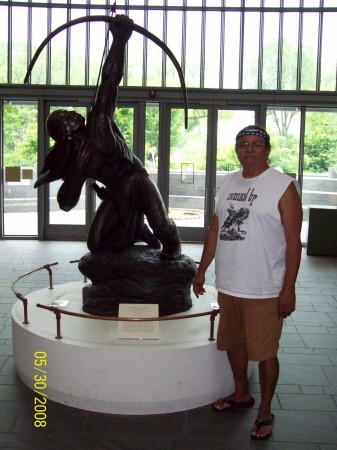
320, 141
284, 152
20, 135
151, 128
188, 146
124, 120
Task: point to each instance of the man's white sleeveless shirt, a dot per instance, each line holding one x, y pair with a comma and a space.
250, 253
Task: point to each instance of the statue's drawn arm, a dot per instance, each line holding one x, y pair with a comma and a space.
112, 73
107, 19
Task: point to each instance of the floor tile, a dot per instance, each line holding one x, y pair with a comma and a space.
307, 375
304, 426
305, 402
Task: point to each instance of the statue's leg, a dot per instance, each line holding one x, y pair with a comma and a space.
154, 209
105, 228
149, 238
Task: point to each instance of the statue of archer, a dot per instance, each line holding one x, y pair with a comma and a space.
96, 149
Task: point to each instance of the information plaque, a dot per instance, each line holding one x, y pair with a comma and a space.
138, 329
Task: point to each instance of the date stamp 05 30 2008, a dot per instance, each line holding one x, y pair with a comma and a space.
40, 384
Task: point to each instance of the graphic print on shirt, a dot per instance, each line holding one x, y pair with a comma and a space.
231, 229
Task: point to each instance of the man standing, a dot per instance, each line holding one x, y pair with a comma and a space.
255, 239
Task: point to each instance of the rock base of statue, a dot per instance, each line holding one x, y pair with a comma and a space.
136, 275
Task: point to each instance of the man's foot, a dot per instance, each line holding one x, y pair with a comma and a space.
262, 429
228, 404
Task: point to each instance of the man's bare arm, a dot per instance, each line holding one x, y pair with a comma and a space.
291, 216
207, 256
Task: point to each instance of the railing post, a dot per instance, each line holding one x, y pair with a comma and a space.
58, 323
25, 308
212, 319
47, 266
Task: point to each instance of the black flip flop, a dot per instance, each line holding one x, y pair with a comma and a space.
263, 423
234, 405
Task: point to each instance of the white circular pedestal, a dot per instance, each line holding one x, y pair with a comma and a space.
91, 369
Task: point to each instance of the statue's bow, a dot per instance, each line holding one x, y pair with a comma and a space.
135, 27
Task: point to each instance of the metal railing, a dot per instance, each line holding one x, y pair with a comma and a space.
58, 312
24, 299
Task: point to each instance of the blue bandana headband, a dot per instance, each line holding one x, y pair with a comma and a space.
253, 132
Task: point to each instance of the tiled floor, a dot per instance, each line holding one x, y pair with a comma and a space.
305, 404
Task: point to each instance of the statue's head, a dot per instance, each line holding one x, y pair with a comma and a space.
61, 124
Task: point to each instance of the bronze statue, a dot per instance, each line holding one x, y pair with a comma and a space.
120, 271
97, 150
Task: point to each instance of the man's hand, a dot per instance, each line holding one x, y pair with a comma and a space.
198, 284
121, 27
286, 302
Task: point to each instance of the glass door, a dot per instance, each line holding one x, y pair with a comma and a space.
320, 164
20, 144
187, 172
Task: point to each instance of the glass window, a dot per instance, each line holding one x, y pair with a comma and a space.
69, 65
155, 2
233, 3
98, 34
212, 50
176, 2
251, 50
270, 50
194, 2
174, 43
124, 118
58, 48
188, 168
291, 3
215, 3
19, 44
329, 52
154, 53
152, 140
320, 160
309, 51
311, 3
77, 49
135, 52
232, 50
3, 44
193, 49
39, 33
283, 125
20, 169
289, 51
253, 3
271, 3
136, 2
